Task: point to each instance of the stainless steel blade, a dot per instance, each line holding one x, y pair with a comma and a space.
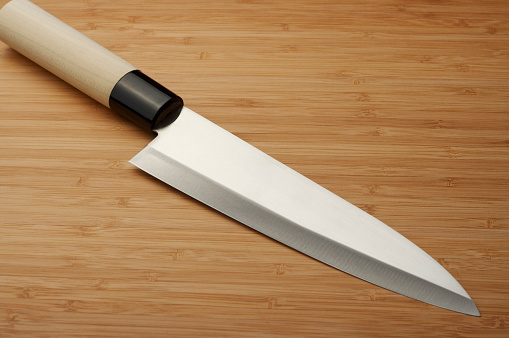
217, 168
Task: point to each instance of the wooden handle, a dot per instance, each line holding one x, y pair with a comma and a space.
61, 49
86, 65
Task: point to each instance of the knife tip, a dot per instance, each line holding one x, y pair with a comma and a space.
469, 309
475, 311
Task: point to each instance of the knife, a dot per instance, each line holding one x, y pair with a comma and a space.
217, 168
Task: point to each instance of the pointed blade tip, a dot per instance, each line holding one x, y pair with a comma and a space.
467, 308
474, 311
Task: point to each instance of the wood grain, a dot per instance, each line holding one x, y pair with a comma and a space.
62, 50
399, 107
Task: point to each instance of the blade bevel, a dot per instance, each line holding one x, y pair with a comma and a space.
217, 168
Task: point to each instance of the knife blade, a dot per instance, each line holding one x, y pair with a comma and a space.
217, 168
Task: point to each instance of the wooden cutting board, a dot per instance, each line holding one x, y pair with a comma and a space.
400, 107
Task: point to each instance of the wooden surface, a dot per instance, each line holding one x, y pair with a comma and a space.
400, 107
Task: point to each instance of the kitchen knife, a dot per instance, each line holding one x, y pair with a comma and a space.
208, 163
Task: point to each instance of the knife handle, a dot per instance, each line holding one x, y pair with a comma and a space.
86, 65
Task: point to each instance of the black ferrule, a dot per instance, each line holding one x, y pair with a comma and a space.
144, 101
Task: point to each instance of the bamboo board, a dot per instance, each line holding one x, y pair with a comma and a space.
399, 107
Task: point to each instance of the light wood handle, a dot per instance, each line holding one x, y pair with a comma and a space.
86, 65
61, 49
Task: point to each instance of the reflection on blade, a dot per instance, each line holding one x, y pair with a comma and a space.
217, 168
